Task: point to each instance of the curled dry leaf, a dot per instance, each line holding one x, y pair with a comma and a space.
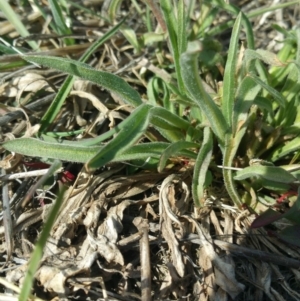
107, 234
11, 161
166, 218
224, 275
106, 249
225, 278
30, 82
172, 284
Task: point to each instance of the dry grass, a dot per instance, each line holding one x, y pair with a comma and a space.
126, 233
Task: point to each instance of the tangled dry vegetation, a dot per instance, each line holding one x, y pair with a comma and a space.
125, 233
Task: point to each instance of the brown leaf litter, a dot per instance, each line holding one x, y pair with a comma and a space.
137, 236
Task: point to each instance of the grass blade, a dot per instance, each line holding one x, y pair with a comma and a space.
229, 82
229, 153
131, 37
152, 150
113, 9
171, 22
107, 80
38, 251
14, 19
60, 21
201, 167
277, 96
181, 29
57, 103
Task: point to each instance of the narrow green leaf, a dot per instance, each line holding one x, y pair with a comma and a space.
266, 218
6, 49
158, 94
154, 150
131, 37
277, 96
273, 173
171, 22
230, 149
107, 80
37, 254
229, 82
57, 103
171, 135
60, 20
51, 150
297, 66
269, 8
72, 151
136, 126
201, 167
181, 29
245, 97
148, 20
59, 135
44, 12
264, 104
15, 20
143, 151
164, 119
286, 149
207, 19
113, 9
274, 186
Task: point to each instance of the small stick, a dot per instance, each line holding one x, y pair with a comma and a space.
157, 13
142, 225
7, 221
261, 255
26, 174
56, 165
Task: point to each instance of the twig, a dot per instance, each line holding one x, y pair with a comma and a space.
32, 107
7, 222
142, 225
257, 254
157, 13
26, 174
